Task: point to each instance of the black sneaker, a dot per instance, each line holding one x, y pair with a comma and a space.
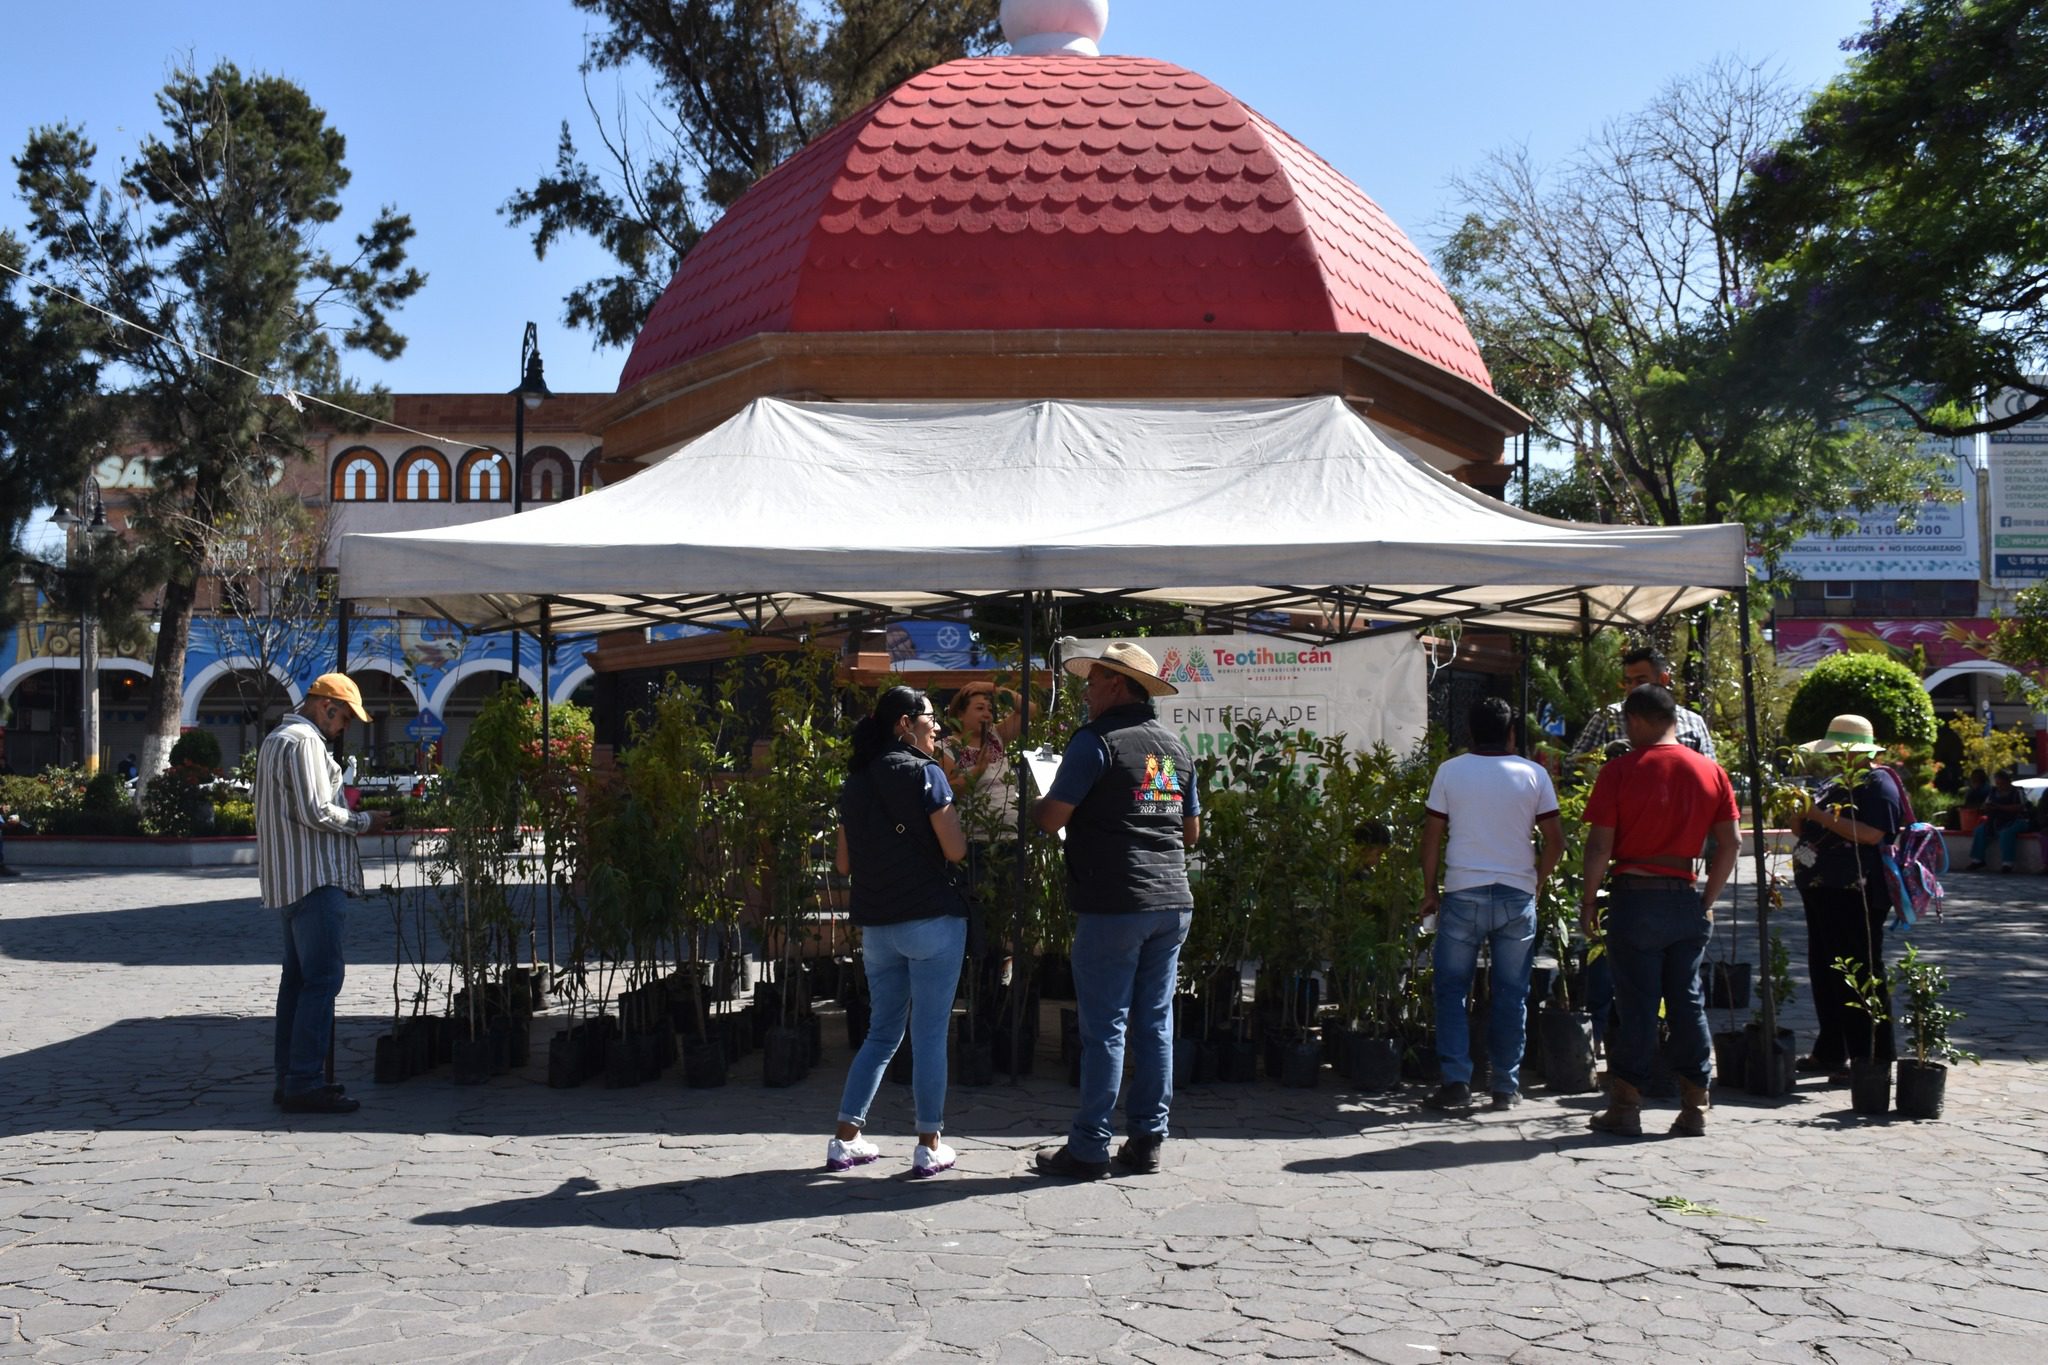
1061, 1162
1504, 1100
1448, 1096
6, 871
1977, 866
321, 1102
1139, 1155
277, 1096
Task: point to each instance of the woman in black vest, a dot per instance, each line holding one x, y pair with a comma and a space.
898, 829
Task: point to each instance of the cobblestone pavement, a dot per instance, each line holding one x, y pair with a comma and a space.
154, 1206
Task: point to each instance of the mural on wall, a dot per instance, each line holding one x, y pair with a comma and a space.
1804, 643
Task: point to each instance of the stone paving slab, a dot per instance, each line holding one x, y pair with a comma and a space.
153, 1206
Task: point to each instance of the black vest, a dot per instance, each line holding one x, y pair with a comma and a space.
1125, 850
899, 871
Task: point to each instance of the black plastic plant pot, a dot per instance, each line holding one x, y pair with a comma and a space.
1663, 1080
857, 1014
899, 1065
1731, 1059
1070, 1034
814, 1038
1301, 1064
704, 1065
1725, 985
1767, 1070
519, 1041
1187, 1063
1565, 1038
1011, 1049
472, 1060
1922, 1088
646, 1056
446, 1032
621, 1064
974, 1063
390, 1066
499, 1032
565, 1062
782, 1057
1239, 1058
1372, 1064
1870, 1086
1418, 1059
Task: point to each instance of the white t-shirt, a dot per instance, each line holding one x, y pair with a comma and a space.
1492, 801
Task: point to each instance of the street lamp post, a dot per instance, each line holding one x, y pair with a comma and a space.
533, 388
95, 528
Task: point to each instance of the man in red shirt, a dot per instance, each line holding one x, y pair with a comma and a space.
1650, 812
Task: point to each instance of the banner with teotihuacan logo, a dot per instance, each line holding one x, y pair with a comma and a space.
1369, 691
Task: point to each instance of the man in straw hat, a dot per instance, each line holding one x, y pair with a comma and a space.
1125, 795
307, 865
1649, 812
1838, 866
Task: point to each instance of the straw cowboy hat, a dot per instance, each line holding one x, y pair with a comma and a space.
1847, 734
1134, 663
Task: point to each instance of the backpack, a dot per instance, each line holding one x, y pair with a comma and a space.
1913, 864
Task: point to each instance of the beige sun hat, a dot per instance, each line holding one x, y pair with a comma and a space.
1847, 734
1134, 663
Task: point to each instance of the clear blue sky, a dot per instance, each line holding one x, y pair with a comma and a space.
449, 105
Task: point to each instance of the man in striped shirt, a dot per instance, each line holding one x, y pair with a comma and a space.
307, 866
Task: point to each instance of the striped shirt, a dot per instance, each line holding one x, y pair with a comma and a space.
305, 834
1606, 726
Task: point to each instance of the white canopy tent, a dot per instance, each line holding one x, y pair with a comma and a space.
791, 511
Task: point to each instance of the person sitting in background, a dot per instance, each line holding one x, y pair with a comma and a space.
1979, 791
2005, 815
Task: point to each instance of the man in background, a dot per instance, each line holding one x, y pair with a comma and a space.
308, 867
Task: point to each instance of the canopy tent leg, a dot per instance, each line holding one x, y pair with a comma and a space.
547, 764
1756, 835
1020, 872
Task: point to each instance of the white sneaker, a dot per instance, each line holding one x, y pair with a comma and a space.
841, 1156
930, 1160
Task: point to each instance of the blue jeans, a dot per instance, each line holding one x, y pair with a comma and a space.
313, 971
2008, 842
1124, 971
1503, 917
913, 971
1656, 937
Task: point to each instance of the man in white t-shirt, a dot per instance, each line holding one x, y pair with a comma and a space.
1490, 798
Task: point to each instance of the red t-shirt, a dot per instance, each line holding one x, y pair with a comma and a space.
1661, 802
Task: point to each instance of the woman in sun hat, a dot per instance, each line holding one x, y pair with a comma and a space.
1839, 869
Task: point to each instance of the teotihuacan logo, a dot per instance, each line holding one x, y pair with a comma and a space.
1193, 669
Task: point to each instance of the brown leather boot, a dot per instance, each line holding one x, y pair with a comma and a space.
1692, 1116
1624, 1113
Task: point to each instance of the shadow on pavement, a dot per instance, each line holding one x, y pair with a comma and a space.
1442, 1153
747, 1197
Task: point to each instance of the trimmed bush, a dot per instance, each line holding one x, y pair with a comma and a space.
196, 747
1882, 690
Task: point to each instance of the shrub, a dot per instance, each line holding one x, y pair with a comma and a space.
37, 800
234, 817
1882, 690
106, 794
179, 802
196, 747
77, 822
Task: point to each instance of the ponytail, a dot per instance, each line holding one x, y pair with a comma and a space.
877, 732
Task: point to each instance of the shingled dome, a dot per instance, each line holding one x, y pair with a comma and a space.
1055, 191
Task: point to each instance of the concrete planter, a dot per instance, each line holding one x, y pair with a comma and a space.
239, 850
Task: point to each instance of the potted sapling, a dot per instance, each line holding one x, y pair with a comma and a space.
1923, 1077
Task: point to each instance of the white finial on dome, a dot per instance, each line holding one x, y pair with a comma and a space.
1037, 28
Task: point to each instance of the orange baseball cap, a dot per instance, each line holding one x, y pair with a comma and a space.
341, 687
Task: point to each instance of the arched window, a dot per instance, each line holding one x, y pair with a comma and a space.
422, 476
358, 476
484, 476
547, 475
589, 478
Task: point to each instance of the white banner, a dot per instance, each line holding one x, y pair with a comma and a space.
1369, 691
2019, 497
1942, 542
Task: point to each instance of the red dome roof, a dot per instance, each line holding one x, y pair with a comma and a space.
1013, 193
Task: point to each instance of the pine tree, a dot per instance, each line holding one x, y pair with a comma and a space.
210, 239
